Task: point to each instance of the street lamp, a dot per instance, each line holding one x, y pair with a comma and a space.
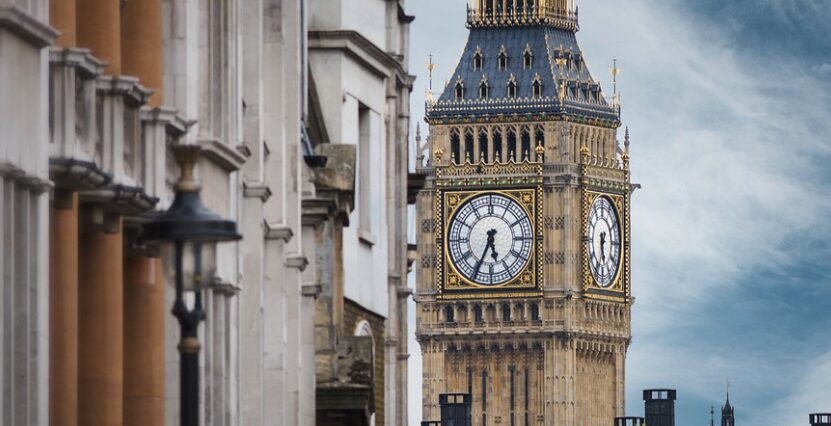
188, 233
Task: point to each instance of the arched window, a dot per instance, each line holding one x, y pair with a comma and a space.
535, 312
527, 58
468, 145
478, 60
537, 88
526, 144
497, 144
477, 314
448, 314
506, 312
512, 86
460, 90
518, 308
455, 146
503, 59
483, 144
484, 89
511, 144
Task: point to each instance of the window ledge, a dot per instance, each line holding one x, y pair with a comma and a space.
366, 237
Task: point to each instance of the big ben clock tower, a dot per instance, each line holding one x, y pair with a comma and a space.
523, 285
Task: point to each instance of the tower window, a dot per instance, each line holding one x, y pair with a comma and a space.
535, 312
503, 59
537, 89
527, 59
478, 61
506, 312
455, 146
460, 90
497, 144
483, 89
512, 89
448, 314
477, 314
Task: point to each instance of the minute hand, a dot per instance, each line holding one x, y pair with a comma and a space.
481, 260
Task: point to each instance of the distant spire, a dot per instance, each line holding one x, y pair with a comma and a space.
429, 97
712, 416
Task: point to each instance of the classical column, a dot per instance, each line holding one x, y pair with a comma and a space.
101, 326
99, 29
62, 17
63, 311
144, 315
141, 42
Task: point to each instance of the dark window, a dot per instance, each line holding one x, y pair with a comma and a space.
483, 145
469, 146
460, 91
511, 89
535, 312
506, 312
526, 145
512, 145
448, 314
483, 90
527, 60
455, 146
503, 61
497, 145
537, 89
477, 314
477, 61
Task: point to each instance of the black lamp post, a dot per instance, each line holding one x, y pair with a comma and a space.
189, 233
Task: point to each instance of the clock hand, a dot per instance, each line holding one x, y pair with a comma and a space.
489, 245
602, 243
491, 239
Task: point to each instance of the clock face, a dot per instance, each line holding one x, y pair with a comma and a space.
604, 242
490, 239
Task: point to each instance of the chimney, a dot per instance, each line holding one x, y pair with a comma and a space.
455, 409
629, 421
820, 419
659, 407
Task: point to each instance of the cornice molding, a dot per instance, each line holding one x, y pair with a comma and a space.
223, 155
363, 50
26, 26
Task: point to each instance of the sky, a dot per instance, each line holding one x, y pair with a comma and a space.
729, 108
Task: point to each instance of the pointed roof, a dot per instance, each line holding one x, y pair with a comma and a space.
567, 86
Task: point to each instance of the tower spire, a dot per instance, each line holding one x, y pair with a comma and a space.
429, 97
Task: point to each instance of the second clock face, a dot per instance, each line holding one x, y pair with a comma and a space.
490, 239
604, 242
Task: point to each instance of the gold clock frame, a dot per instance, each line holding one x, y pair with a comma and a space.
450, 284
619, 289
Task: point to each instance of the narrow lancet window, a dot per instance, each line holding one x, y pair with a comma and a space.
503, 59
460, 90
478, 60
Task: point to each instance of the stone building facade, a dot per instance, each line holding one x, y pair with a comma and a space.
94, 95
523, 287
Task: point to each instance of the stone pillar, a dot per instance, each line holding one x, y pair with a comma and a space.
99, 29
141, 41
63, 311
101, 326
62, 17
144, 317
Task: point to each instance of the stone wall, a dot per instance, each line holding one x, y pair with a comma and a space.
354, 318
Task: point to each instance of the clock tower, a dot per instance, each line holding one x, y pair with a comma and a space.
523, 284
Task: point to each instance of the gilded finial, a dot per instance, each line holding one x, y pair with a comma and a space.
626, 139
540, 151
562, 93
584, 153
438, 153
